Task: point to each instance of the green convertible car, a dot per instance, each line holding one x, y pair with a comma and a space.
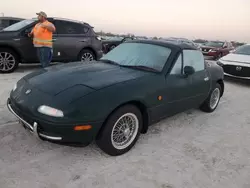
115, 99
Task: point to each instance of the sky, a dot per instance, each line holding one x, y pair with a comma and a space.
209, 19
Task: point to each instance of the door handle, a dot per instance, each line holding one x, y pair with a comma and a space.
206, 79
54, 39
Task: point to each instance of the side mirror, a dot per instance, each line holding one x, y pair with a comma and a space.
189, 70
224, 46
26, 32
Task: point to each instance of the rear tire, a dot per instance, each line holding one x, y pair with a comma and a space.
86, 56
218, 57
211, 103
121, 131
8, 60
112, 47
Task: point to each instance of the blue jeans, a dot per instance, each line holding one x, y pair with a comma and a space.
44, 55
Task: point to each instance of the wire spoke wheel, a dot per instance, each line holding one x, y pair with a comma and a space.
7, 61
124, 131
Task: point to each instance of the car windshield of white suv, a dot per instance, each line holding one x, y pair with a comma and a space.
244, 50
19, 25
142, 56
214, 44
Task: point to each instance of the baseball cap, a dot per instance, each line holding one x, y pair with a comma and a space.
41, 13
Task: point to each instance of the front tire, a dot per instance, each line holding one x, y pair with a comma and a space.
213, 99
8, 60
121, 131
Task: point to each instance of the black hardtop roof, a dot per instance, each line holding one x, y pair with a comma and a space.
166, 44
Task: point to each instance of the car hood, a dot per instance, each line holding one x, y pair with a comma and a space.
209, 47
96, 76
237, 58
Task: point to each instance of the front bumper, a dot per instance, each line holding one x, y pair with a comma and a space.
209, 55
54, 132
235, 69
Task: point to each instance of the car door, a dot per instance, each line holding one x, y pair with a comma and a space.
26, 45
199, 85
69, 40
178, 89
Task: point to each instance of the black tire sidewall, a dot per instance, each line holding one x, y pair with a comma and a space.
104, 139
112, 47
16, 60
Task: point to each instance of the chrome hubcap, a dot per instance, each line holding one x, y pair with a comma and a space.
7, 61
215, 97
124, 131
87, 57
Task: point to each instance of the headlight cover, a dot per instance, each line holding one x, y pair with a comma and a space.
219, 63
49, 111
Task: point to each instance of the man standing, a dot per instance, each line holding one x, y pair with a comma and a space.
42, 39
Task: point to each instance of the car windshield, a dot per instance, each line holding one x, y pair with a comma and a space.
245, 50
214, 44
18, 25
139, 55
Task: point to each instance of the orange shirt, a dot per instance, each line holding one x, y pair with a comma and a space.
42, 36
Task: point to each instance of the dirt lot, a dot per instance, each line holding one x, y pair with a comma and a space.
189, 150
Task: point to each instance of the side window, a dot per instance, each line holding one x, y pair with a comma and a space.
65, 27
194, 58
176, 70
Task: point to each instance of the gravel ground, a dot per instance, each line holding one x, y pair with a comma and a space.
190, 150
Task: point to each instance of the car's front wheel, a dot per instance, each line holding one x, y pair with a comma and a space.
121, 131
213, 99
8, 60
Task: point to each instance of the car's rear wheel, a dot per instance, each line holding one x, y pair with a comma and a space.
112, 47
218, 56
121, 131
213, 99
8, 60
86, 56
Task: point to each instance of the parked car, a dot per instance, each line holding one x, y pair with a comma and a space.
199, 44
115, 99
180, 41
7, 21
73, 41
237, 63
110, 44
216, 49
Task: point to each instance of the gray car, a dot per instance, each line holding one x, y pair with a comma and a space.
7, 21
72, 41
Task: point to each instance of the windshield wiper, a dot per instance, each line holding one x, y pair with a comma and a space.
141, 67
109, 62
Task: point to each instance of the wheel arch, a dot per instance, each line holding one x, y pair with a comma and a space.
220, 81
140, 105
88, 48
14, 50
